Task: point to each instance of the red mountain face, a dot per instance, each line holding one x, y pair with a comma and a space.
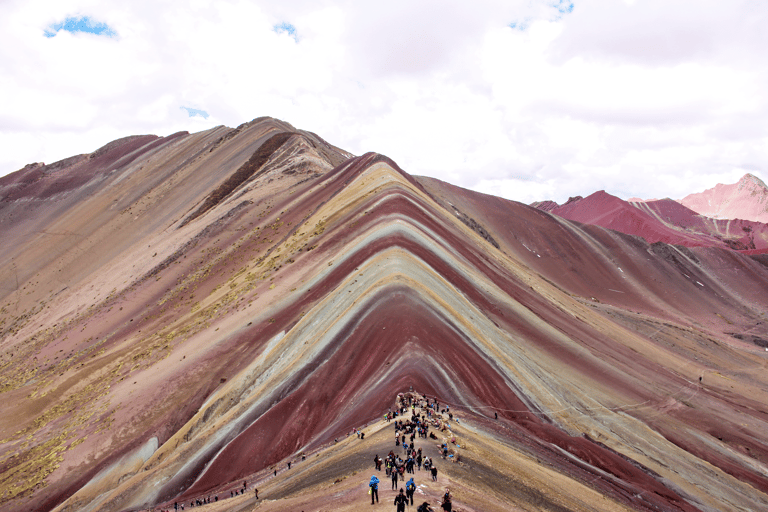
181, 315
665, 221
747, 199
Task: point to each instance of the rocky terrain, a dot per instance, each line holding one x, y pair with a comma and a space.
181, 314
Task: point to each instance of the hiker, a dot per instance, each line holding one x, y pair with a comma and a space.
446, 504
255, 494
374, 485
410, 488
401, 501
424, 507
434, 473
394, 479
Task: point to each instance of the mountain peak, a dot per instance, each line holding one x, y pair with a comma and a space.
750, 179
747, 200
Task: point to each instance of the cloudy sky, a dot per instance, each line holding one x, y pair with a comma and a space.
523, 99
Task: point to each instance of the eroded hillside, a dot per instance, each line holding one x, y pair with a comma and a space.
183, 313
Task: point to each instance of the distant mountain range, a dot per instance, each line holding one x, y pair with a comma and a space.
182, 317
729, 216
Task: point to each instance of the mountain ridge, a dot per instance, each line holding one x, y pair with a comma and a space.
147, 358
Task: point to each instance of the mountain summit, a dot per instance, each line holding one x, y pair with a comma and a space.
183, 318
747, 199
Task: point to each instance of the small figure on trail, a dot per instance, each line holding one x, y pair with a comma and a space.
256, 493
289, 464
374, 485
434, 473
401, 501
424, 507
496, 415
446, 504
410, 488
394, 478
362, 435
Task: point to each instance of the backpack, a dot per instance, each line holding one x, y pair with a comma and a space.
411, 486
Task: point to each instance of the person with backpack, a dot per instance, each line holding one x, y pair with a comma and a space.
374, 485
410, 488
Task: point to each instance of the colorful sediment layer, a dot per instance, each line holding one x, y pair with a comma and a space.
181, 314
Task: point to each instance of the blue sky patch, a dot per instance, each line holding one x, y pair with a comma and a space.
563, 6
196, 112
286, 28
561, 9
80, 24
519, 25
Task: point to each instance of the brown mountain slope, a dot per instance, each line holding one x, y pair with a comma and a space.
155, 350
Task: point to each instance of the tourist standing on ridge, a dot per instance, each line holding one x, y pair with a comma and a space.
446, 504
410, 488
394, 479
374, 485
401, 501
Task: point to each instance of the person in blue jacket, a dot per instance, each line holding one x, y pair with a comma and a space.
374, 485
410, 488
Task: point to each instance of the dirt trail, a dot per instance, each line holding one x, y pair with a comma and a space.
488, 477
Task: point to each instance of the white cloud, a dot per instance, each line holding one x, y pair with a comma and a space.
649, 98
